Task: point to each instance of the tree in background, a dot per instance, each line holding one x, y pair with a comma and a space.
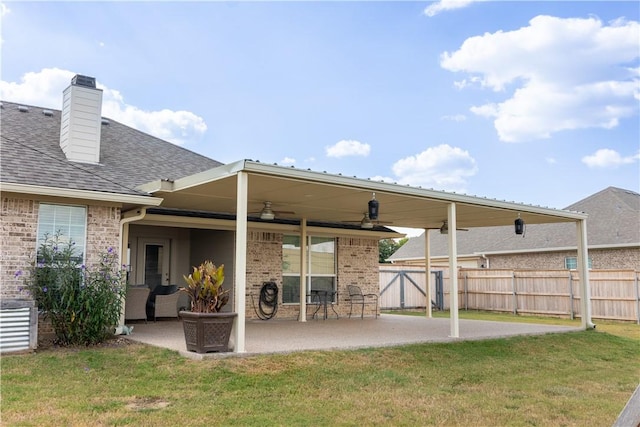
387, 247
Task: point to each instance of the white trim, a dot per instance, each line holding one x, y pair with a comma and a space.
453, 270
583, 272
427, 269
303, 272
80, 194
240, 263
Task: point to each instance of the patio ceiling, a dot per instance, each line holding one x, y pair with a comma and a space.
318, 196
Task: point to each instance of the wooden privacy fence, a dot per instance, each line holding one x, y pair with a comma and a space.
615, 294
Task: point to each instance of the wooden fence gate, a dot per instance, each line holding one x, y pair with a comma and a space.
407, 289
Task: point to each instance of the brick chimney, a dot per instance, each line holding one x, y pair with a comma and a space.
81, 120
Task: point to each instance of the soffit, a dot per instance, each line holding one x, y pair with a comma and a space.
334, 198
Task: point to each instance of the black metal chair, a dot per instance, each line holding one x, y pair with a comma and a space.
357, 297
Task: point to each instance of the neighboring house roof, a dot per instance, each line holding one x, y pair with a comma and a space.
30, 154
614, 218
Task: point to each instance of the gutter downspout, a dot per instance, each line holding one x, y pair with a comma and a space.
124, 240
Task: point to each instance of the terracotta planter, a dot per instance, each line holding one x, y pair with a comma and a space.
207, 332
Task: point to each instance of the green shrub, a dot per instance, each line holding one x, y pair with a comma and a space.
84, 304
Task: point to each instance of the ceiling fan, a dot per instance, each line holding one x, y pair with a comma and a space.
444, 228
367, 223
267, 213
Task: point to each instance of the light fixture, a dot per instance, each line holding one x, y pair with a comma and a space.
266, 213
445, 228
366, 222
373, 207
520, 226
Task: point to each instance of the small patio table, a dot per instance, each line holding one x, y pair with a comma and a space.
324, 298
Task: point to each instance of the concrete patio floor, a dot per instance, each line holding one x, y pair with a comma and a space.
288, 335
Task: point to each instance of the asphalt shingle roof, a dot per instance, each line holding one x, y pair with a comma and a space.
30, 153
614, 219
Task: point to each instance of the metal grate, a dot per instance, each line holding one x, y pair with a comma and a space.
80, 80
15, 329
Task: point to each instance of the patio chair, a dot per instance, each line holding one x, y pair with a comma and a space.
166, 305
357, 297
136, 302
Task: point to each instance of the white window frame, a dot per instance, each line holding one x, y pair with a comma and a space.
63, 222
573, 261
310, 273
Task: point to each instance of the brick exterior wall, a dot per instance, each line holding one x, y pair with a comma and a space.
103, 231
357, 265
19, 227
264, 264
624, 258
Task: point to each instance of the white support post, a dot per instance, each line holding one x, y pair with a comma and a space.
303, 270
240, 264
453, 270
427, 270
583, 268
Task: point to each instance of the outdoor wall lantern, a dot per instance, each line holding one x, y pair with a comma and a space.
445, 228
373, 208
520, 226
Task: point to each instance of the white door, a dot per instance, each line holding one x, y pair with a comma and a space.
154, 259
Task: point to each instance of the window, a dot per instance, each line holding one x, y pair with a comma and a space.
571, 263
321, 266
69, 222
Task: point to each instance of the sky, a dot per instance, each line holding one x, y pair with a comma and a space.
525, 101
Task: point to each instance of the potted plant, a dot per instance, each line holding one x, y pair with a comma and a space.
205, 327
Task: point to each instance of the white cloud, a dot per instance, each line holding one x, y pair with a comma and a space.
4, 10
557, 74
44, 89
348, 148
607, 158
288, 161
455, 118
442, 167
551, 160
444, 5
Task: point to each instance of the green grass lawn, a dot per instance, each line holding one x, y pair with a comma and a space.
570, 379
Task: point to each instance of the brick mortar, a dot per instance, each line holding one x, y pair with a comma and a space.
19, 227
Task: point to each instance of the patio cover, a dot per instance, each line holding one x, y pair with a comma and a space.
242, 187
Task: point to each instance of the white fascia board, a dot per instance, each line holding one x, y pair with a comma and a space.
210, 175
339, 180
98, 196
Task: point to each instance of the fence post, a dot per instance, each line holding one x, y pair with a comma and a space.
571, 313
466, 289
402, 273
637, 299
515, 293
